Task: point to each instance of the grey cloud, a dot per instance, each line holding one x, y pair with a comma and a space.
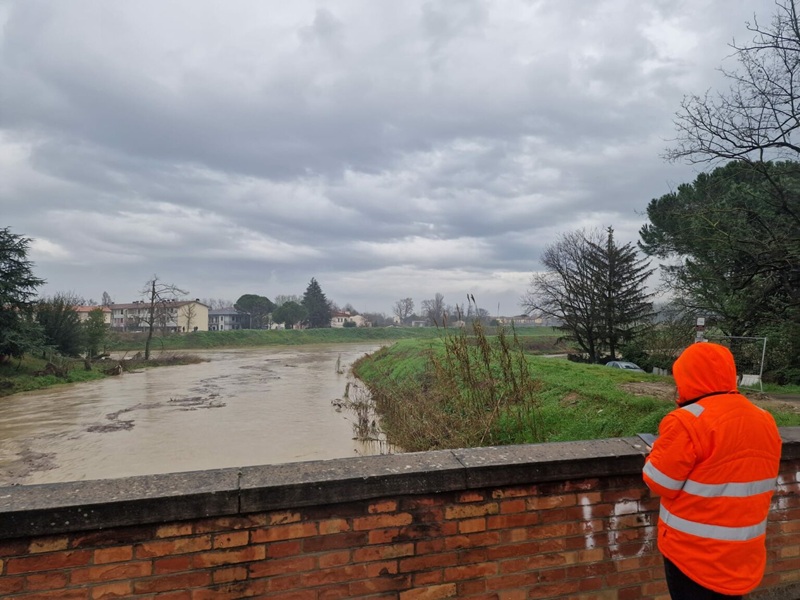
260, 145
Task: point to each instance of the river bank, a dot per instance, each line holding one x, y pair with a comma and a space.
33, 373
430, 398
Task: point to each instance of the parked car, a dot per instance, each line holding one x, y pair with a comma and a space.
621, 364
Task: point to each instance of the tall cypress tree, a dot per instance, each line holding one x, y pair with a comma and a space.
315, 302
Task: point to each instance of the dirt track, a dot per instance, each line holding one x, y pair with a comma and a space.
666, 391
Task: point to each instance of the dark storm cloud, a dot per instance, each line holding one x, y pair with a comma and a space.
389, 149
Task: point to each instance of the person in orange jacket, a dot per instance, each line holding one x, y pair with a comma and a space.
714, 465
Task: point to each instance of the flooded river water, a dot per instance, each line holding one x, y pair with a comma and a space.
241, 407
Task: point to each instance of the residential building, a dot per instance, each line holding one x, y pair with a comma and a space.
338, 319
83, 313
171, 316
226, 319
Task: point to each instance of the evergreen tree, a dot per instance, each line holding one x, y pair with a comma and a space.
61, 324
595, 288
315, 302
95, 331
18, 333
625, 307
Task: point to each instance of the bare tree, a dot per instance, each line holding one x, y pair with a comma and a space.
755, 119
596, 288
189, 311
403, 309
282, 299
434, 310
107, 301
158, 297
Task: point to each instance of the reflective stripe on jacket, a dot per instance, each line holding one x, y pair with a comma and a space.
714, 465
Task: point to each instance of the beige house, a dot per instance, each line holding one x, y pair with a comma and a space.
176, 316
83, 313
338, 319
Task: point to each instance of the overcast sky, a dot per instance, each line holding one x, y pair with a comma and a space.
388, 149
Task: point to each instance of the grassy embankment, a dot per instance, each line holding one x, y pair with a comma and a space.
247, 338
424, 406
33, 373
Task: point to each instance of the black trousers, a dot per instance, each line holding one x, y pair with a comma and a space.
683, 588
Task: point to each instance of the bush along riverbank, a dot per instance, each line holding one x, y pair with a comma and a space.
33, 373
464, 390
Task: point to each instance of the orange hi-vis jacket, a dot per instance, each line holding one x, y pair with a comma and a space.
714, 465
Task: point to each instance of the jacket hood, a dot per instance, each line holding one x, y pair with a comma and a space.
702, 369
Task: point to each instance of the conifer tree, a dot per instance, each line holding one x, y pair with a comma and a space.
315, 302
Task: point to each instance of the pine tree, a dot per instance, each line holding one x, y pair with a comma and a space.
315, 302
18, 332
620, 277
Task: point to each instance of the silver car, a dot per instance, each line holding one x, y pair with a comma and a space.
621, 364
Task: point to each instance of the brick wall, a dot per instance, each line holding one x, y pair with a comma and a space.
549, 521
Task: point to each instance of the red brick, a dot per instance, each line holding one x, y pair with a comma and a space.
9, 585
166, 583
431, 577
382, 569
470, 571
172, 564
383, 536
111, 572
335, 575
268, 568
113, 554
383, 506
334, 559
227, 591
512, 521
284, 532
335, 542
48, 562
48, 544
173, 546
118, 589
333, 526
471, 497
227, 574
79, 594
472, 510
283, 549
228, 557
381, 521
513, 506
548, 502
472, 525
425, 563
368, 587
174, 530
281, 518
435, 592
47, 581
371, 553
230, 539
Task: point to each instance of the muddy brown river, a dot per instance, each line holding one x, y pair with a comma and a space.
241, 407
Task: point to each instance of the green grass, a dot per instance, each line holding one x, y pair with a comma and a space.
244, 338
20, 376
573, 401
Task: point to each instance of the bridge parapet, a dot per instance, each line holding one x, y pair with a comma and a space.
564, 520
